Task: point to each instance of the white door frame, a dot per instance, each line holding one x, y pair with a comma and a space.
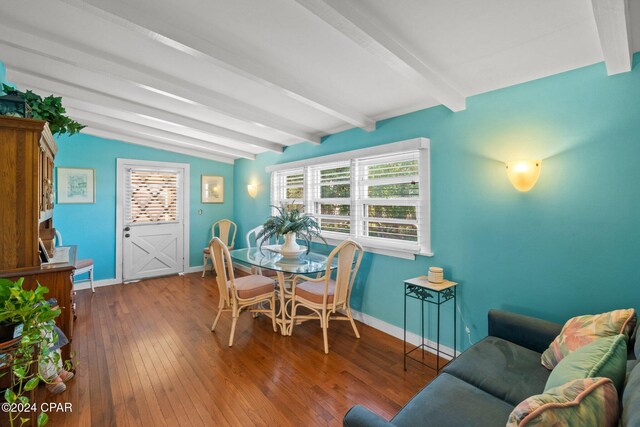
122, 164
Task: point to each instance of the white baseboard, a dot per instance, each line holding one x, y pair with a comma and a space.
84, 284
195, 269
398, 332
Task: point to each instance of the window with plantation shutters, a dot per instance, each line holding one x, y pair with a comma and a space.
330, 197
389, 200
289, 188
377, 196
152, 196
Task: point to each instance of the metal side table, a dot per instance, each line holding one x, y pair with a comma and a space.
432, 293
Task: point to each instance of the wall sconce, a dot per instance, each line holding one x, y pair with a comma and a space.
524, 174
252, 189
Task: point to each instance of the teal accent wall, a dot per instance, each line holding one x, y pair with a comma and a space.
3, 75
92, 226
569, 246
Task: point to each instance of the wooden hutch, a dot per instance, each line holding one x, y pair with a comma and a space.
27, 152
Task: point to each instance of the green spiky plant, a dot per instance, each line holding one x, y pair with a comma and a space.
29, 309
49, 109
289, 219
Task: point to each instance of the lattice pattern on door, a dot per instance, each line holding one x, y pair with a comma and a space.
152, 196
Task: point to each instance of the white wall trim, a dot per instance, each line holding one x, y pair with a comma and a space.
84, 284
194, 269
120, 176
407, 145
398, 332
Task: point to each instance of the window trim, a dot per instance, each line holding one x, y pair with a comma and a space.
371, 244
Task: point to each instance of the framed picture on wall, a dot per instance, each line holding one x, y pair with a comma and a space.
212, 189
76, 185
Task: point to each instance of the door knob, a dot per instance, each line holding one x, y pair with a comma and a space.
127, 229
127, 235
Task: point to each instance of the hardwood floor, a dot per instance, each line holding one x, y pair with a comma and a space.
146, 357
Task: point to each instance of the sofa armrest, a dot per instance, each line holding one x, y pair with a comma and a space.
530, 332
359, 416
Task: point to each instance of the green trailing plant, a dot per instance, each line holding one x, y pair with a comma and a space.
29, 309
49, 109
290, 219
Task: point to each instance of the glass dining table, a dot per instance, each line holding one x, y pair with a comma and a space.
306, 264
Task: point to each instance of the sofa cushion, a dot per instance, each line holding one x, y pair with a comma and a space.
507, 371
582, 330
631, 399
605, 357
449, 401
581, 402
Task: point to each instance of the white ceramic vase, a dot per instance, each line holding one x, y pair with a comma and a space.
290, 245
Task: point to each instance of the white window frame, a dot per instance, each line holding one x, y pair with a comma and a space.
401, 249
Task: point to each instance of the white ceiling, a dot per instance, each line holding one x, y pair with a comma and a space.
227, 79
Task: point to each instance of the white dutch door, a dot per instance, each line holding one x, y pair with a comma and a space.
153, 224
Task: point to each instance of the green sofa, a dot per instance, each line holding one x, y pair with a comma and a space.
483, 385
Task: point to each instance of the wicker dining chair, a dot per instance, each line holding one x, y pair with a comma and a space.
243, 293
226, 230
324, 295
254, 241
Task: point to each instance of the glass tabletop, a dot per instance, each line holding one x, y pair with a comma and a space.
304, 264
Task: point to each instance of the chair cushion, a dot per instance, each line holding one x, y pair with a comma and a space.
83, 263
582, 330
314, 291
252, 286
605, 357
269, 273
206, 251
581, 402
449, 401
506, 370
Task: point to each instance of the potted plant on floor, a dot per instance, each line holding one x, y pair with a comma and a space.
29, 317
290, 222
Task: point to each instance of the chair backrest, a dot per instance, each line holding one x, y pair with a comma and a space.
252, 238
225, 229
347, 252
58, 238
220, 255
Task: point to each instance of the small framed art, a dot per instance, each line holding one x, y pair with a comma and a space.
76, 185
212, 189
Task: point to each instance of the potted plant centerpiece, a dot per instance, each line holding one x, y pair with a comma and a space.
292, 224
27, 321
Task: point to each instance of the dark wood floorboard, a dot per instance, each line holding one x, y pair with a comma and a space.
146, 357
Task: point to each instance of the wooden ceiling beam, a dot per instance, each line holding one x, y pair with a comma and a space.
126, 15
130, 139
342, 16
84, 98
153, 80
109, 123
612, 22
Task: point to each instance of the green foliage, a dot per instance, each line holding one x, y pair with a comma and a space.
290, 220
30, 309
49, 109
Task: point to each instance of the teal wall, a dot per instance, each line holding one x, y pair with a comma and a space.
92, 226
567, 247
3, 75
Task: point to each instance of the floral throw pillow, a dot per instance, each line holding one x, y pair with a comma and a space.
581, 402
582, 330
